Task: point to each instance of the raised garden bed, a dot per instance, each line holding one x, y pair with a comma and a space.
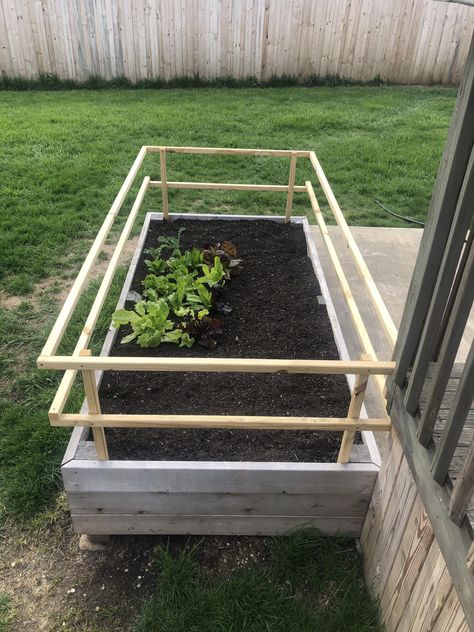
238, 438
229, 481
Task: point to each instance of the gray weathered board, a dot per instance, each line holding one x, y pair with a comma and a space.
219, 497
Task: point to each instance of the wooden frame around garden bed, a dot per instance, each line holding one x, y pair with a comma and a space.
90, 481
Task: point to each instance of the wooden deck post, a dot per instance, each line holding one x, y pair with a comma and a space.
455, 422
355, 407
164, 183
291, 185
454, 332
463, 488
93, 404
435, 235
470, 558
447, 273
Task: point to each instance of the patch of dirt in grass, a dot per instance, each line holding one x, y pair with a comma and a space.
54, 586
58, 286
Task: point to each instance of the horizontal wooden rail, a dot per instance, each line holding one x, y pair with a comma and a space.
357, 320
87, 364
375, 296
70, 303
220, 421
226, 186
69, 376
227, 151
213, 365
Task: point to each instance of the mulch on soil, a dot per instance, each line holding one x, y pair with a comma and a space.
276, 314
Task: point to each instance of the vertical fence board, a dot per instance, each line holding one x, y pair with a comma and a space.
406, 41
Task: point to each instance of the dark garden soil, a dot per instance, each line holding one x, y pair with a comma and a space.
276, 314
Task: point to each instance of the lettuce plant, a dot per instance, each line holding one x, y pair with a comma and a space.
179, 295
150, 325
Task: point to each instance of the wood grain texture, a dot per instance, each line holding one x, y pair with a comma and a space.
213, 525
403, 564
404, 41
169, 503
218, 421
218, 477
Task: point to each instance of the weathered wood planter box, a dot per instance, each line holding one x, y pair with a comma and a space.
210, 497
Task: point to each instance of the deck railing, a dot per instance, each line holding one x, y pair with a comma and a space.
439, 302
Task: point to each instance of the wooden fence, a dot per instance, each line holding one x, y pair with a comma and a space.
403, 41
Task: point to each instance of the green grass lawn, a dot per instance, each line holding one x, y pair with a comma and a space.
64, 156
307, 583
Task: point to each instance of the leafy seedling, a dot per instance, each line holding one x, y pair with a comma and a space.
205, 329
150, 324
227, 253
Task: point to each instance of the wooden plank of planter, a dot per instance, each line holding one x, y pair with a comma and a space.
375, 296
291, 186
219, 477
220, 421
350, 302
70, 303
214, 365
226, 186
214, 525
228, 151
218, 503
164, 185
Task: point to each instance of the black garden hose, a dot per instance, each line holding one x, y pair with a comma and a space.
407, 219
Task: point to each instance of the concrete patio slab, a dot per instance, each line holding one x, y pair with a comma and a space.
390, 254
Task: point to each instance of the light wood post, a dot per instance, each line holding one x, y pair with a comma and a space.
376, 298
164, 183
93, 404
359, 325
291, 185
355, 407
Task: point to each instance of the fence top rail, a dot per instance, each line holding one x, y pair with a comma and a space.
229, 365
223, 151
